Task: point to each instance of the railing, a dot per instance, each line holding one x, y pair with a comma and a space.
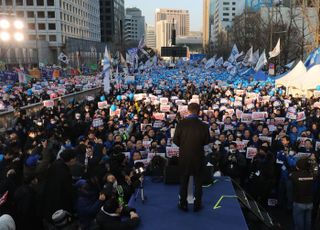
8, 118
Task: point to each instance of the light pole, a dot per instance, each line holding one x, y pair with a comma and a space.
11, 30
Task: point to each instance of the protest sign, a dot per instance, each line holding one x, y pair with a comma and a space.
258, 116
146, 144
103, 105
279, 120
172, 151
164, 108
241, 145
115, 113
180, 102
197, 101
164, 100
301, 116
171, 116
239, 113
157, 124
302, 141
224, 101
266, 139
159, 116
251, 152
97, 122
237, 104
246, 117
316, 105
48, 103
302, 155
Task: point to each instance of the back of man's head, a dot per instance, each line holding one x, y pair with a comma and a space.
194, 108
67, 155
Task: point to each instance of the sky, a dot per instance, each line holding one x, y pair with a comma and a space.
148, 8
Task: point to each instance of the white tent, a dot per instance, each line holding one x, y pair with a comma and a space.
293, 78
312, 79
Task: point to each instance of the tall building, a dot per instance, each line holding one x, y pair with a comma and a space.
224, 12
208, 24
180, 17
53, 26
163, 32
151, 37
112, 17
134, 26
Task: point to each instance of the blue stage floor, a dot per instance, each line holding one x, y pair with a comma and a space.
160, 211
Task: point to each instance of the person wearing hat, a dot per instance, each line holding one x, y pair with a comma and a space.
302, 181
111, 213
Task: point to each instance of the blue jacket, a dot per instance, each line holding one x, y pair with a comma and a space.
87, 206
287, 163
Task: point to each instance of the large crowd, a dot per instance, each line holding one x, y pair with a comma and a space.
17, 95
74, 165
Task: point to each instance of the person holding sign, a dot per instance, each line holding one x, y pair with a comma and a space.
191, 135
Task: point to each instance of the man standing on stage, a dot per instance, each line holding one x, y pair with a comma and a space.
191, 135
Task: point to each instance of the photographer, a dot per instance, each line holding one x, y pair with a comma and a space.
234, 163
110, 216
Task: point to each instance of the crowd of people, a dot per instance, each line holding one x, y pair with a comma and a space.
17, 95
74, 165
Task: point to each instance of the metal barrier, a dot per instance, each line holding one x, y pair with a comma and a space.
8, 118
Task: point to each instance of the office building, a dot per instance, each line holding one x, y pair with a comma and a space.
180, 17
151, 37
112, 17
52, 26
134, 27
163, 32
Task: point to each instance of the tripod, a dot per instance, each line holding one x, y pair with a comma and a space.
141, 191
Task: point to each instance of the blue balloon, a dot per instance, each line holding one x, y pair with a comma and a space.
119, 98
102, 98
318, 88
29, 92
131, 96
113, 108
271, 93
232, 99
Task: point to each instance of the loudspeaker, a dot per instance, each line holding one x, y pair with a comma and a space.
171, 174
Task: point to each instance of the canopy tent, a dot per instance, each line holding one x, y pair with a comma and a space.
312, 79
290, 79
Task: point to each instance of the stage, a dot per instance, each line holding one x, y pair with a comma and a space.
159, 212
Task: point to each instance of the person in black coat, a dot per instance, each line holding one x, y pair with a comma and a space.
58, 190
110, 215
191, 135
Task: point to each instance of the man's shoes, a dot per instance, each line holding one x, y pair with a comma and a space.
197, 207
183, 207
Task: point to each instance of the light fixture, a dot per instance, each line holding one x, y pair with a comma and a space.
4, 24
4, 36
18, 24
18, 36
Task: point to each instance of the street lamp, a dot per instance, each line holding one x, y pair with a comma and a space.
10, 27
11, 30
